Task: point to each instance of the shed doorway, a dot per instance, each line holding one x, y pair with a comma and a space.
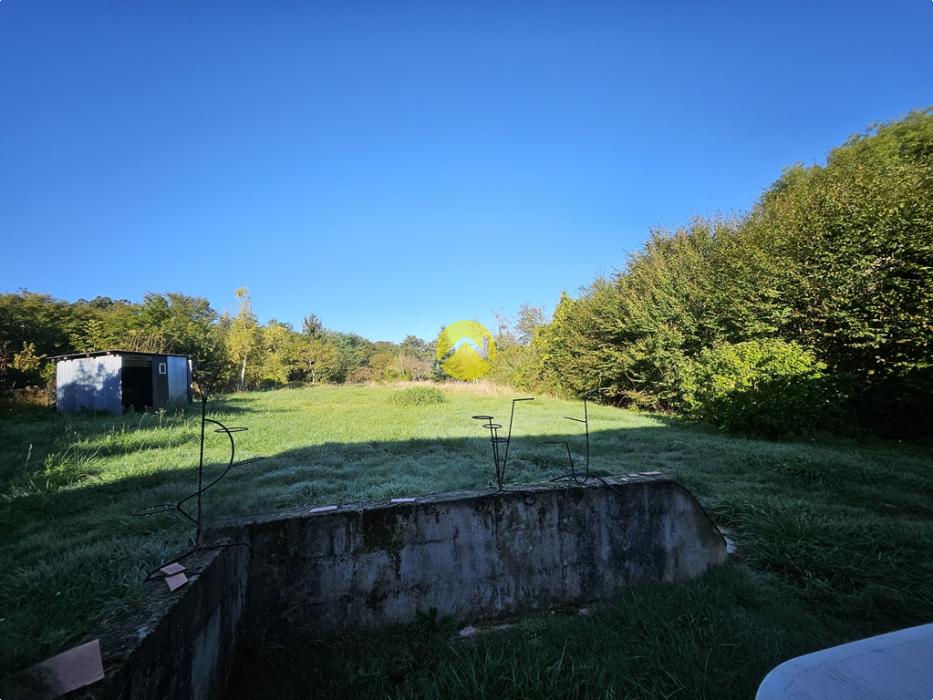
137, 384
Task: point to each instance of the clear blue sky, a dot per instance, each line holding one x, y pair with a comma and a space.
396, 166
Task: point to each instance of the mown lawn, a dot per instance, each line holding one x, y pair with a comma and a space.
834, 540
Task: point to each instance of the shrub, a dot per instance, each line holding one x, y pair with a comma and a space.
515, 366
834, 257
418, 396
771, 387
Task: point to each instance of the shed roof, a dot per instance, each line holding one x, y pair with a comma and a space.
100, 353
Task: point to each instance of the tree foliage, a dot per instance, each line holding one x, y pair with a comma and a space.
821, 295
242, 338
763, 386
228, 351
835, 260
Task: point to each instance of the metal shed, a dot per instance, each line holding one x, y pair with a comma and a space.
117, 380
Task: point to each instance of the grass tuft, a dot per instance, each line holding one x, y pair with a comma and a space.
832, 538
418, 396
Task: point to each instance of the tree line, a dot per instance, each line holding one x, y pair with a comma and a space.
813, 310
236, 350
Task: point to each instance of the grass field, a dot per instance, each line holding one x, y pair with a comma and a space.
834, 539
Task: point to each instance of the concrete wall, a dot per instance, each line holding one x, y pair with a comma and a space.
183, 646
469, 555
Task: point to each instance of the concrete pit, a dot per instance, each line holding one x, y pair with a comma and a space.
471, 556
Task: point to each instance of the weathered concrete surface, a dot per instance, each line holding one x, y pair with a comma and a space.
183, 645
470, 555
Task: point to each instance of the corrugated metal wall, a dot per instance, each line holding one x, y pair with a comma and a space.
160, 392
89, 382
177, 380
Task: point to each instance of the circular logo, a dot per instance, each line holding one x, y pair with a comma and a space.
465, 350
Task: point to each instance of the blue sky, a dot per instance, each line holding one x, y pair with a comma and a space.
396, 166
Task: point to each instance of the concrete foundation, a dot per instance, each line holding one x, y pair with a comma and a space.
468, 555
471, 556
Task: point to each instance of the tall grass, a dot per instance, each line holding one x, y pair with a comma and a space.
418, 396
833, 539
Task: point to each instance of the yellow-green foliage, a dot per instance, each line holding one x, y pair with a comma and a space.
766, 386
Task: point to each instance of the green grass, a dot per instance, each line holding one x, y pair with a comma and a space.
833, 540
418, 396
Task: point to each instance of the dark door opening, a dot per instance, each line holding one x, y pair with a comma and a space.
137, 385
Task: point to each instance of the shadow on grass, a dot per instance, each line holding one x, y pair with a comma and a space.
842, 533
713, 637
38, 446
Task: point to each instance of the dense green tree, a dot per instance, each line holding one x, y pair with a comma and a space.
93, 335
417, 347
27, 318
835, 258
281, 354
184, 320
325, 360
854, 240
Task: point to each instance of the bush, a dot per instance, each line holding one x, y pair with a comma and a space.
515, 366
418, 396
771, 387
834, 257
